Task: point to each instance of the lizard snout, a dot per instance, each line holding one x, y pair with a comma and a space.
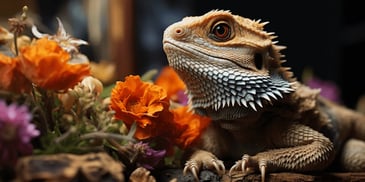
175, 32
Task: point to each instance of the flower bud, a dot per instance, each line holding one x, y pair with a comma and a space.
94, 85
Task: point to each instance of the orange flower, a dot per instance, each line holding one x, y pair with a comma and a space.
7, 67
171, 82
189, 126
134, 100
10, 77
47, 65
148, 105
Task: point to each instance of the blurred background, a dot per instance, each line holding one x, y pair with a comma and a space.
324, 39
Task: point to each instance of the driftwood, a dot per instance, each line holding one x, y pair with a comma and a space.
96, 167
289, 177
171, 175
101, 167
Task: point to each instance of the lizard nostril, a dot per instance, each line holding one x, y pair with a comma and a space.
179, 32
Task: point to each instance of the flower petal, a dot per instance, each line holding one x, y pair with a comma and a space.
46, 64
11, 78
189, 126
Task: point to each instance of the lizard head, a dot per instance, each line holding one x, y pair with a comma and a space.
231, 66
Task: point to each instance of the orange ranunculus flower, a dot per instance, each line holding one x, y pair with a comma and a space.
10, 77
171, 82
189, 126
142, 102
47, 65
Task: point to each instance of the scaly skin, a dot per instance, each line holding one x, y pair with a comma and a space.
262, 117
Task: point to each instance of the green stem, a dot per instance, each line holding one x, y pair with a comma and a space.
44, 123
65, 135
120, 148
16, 43
102, 135
127, 154
48, 101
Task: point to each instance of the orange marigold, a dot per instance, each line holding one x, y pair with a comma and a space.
188, 126
10, 77
136, 101
47, 65
171, 82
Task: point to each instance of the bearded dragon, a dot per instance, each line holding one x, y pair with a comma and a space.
264, 119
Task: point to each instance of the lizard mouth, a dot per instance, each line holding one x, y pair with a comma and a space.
206, 54
194, 51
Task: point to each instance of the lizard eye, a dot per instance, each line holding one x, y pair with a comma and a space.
220, 31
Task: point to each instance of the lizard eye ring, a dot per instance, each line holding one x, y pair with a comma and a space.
221, 31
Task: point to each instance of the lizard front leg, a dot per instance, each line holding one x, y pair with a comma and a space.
212, 143
299, 148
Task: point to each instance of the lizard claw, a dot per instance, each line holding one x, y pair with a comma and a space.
218, 166
245, 161
192, 166
262, 166
247, 165
233, 168
203, 160
240, 165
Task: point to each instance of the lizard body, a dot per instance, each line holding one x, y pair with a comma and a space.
262, 116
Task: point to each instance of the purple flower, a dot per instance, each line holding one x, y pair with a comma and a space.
148, 157
182, 97
329, 89
16, 131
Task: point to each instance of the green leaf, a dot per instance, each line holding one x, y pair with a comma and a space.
148, 76
107, 91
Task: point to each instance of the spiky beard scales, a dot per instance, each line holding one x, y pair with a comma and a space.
226, 87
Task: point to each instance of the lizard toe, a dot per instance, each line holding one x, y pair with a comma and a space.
262, 166
235, 167
219, 166
193, 167
242, 165
245, 162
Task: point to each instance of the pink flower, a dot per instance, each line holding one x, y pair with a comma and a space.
16, 132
